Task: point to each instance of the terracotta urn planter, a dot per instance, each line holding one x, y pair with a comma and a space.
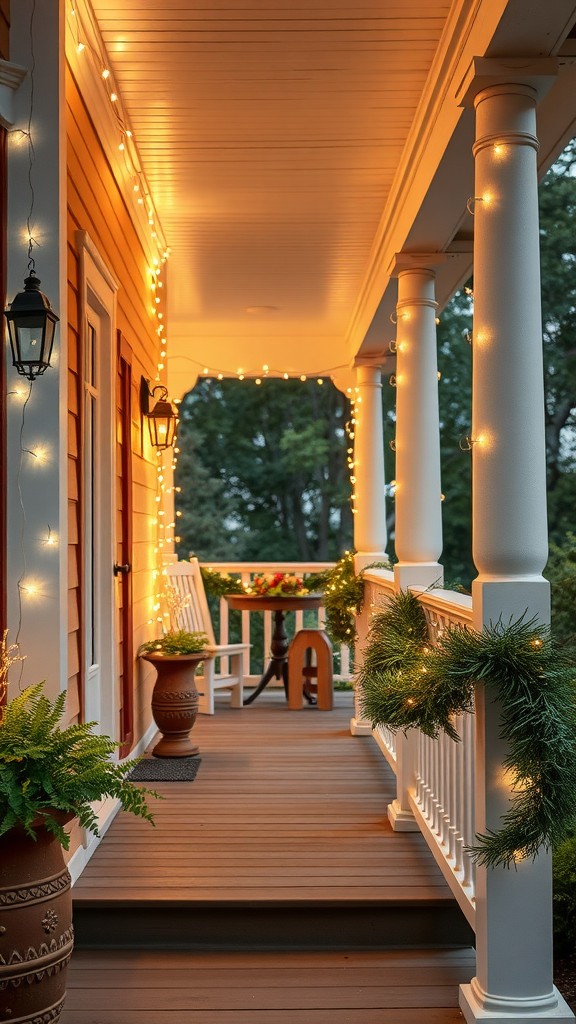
175, 702
36, 934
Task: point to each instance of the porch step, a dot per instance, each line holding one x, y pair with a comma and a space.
253, 925
184, 987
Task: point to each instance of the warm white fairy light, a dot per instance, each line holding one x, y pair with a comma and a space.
88, 45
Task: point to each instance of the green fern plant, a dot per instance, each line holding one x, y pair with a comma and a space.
176, 641
44, 769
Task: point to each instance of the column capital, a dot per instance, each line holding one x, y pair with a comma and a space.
375, 361
538, 73
417, 261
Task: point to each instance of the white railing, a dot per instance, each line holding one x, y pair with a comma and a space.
440, 792
246, 571
378, 589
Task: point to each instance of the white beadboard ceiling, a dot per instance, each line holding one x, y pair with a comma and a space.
291, 149
269, 133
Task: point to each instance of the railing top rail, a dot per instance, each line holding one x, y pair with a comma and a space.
382, 576
449, 602
279, 566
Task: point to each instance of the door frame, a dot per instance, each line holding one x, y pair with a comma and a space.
98, 291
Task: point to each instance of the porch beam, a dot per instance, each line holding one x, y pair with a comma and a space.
514, 907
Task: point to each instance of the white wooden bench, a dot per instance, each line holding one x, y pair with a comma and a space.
194, 616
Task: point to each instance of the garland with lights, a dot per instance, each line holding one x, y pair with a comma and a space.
407, 684
343, 596
216, 584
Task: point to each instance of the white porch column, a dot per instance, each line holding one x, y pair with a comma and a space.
370, 537
418, 487
514, 907
418, 490
37, 521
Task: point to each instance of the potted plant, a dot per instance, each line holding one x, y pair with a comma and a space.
175, 656
48, 776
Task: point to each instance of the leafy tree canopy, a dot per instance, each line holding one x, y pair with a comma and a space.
263, 472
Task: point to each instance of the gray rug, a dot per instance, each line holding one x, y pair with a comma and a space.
165, 769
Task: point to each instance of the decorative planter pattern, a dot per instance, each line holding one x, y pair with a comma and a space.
175, 702
36, 933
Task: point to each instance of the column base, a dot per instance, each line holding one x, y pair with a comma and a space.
401, 820
477, 1005
418, 574
364, 558
358, 727
500, 599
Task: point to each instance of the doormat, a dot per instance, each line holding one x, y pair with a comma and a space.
165, 769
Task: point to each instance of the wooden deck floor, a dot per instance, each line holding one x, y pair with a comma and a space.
287, 806
269, 891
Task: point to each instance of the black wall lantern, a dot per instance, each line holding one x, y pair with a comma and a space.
31, 325
162, 414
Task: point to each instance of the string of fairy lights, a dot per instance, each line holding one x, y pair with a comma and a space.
88, 45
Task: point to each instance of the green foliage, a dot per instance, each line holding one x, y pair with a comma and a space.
407, 683
343, 596
263, 471
45, 768
177, 641
564, 874
216, 584
561, 571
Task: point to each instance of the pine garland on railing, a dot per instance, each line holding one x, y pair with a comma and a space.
343, 596
216, 584
407, 682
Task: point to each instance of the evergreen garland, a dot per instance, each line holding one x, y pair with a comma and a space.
216, 584
343, 596
407, 683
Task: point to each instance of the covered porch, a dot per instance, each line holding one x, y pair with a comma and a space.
281, 208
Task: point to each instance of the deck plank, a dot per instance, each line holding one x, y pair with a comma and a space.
405, 987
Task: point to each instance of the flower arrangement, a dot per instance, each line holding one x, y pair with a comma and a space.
278, 584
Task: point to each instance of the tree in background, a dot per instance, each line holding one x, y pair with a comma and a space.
263, 471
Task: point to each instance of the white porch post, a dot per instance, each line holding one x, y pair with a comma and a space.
37, 522
514, 907
370, 536
418, 488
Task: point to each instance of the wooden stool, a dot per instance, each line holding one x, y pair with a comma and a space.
300, 670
